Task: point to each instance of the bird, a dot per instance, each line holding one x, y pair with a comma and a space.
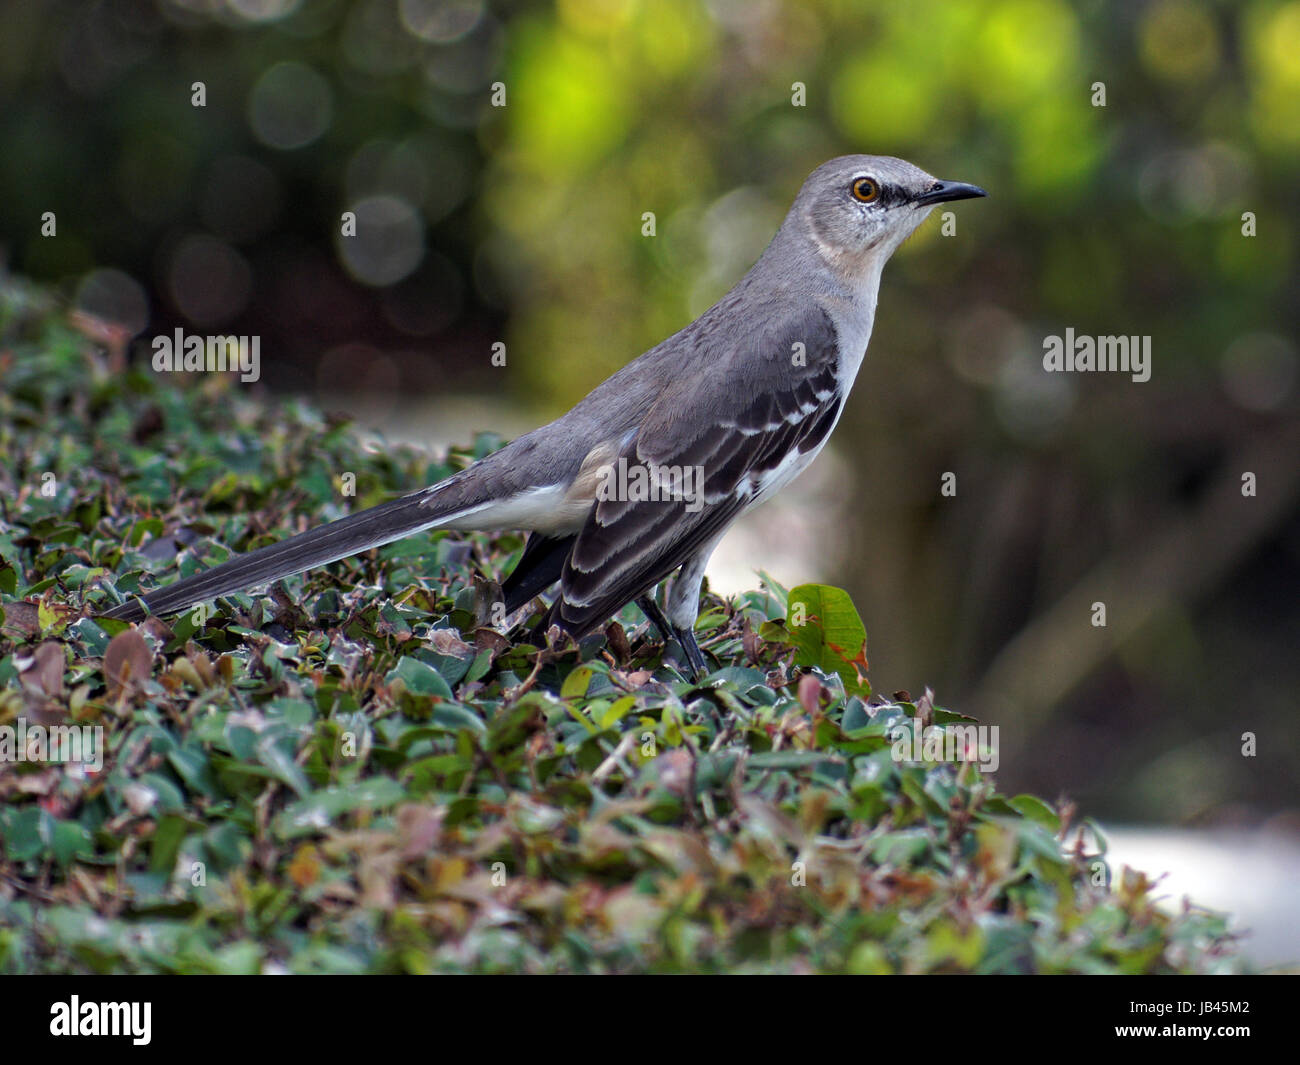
641, 479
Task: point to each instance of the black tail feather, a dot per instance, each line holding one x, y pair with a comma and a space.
329, 543
539, 567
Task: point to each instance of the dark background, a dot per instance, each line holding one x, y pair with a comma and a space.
523, 224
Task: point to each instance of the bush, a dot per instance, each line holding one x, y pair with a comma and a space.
351, 773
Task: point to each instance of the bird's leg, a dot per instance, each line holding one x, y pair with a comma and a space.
685, 637
656, 616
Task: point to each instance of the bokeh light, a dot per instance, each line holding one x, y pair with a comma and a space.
209, 281
1259, 371
114, 296
389, 240
441, 21
290, 106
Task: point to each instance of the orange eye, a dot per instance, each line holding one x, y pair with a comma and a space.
865, 190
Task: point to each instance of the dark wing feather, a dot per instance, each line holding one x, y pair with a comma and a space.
754, 410
538, 568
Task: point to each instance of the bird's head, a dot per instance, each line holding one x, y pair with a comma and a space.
858, 208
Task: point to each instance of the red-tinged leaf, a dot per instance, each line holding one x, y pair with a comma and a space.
126, 659
42, 673
810, 691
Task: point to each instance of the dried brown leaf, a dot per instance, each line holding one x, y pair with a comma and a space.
126, 659
42, 673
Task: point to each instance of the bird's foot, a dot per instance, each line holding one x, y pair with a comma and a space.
694, 656
685, 637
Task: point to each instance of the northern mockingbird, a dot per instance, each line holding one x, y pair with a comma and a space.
644, 476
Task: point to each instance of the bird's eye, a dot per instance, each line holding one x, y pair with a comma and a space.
865, 190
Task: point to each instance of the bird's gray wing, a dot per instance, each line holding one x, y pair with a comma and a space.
767, 396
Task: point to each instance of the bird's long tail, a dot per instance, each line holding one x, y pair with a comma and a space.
329, 543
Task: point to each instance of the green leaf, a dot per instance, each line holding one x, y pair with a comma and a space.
88, 631
170, 797
790, 759
824, 626
869, 959
775, 588
855, 716
479, 667
275, 750
69, 841
617, 711
419, 678
25, 833
454, 717
166, 844
1036, 810
318, 811
576, 683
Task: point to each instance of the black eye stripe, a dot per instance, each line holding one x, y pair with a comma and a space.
886, 196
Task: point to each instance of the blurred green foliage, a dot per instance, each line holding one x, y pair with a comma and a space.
685, 109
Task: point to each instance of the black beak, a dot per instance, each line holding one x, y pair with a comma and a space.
942, 191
